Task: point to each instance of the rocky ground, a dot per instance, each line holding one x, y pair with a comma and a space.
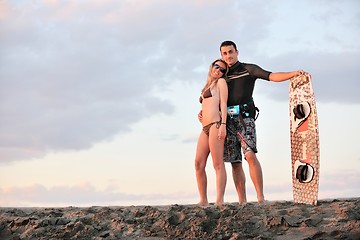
330, 219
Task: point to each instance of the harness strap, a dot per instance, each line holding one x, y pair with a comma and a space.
249, 109
242, 121
257, 111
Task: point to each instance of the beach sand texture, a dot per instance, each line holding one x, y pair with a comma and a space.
330, 219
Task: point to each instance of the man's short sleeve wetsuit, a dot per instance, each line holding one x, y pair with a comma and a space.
241, 82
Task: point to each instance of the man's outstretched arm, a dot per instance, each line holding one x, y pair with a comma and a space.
283, 76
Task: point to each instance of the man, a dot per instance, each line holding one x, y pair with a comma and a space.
241, 134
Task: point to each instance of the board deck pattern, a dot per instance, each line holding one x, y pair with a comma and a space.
304, 140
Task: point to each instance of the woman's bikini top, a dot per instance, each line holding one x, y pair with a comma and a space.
209, 92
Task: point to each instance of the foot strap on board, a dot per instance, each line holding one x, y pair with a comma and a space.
302, 111
303, 172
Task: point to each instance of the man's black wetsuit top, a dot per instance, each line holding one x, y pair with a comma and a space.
241, 81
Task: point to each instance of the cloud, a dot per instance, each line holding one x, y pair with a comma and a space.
67, 84
75, 73
333, 75
339, 184
321, 40
83, 194
332, 185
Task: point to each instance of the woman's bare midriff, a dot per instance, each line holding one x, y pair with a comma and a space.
210, 111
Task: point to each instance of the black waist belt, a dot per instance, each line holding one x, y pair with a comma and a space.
246, 110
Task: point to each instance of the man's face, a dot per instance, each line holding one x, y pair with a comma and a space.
229, 54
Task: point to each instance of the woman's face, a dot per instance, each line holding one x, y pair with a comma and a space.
218, 69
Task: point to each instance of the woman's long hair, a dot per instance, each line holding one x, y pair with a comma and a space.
209, 80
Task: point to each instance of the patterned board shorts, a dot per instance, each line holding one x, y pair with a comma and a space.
235, 143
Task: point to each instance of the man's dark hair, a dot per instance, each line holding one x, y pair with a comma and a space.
228, 43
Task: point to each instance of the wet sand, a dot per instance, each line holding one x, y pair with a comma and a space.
330, 219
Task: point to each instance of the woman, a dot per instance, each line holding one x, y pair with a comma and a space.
211, 140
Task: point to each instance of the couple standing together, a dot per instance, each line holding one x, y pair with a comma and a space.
228, 118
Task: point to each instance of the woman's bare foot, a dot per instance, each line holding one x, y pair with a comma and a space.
203, 203
220, 204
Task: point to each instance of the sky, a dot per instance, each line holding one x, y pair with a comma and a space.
99, 99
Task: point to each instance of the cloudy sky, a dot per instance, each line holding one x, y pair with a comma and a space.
99, 99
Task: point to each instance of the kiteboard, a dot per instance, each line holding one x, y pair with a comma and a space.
304, 137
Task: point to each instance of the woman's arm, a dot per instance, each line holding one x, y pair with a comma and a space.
223, 89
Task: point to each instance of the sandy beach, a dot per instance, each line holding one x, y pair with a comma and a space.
330, 219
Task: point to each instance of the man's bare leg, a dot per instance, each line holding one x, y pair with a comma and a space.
256, 175
239, 180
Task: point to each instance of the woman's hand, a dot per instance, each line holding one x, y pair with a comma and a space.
222, 132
